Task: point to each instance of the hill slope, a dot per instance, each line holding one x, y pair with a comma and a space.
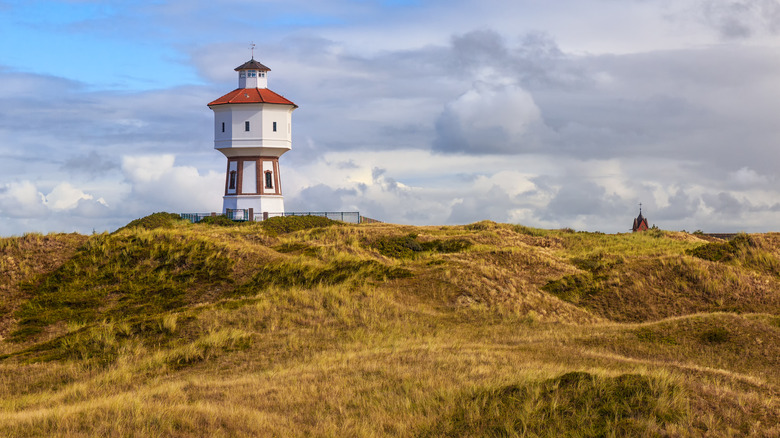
303, 326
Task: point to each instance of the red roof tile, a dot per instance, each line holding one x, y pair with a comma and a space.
252, 95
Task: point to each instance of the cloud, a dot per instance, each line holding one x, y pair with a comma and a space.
740, 19
64, 197
21, 199
156, 184
321, 198
489, 119
92, 163
148, 168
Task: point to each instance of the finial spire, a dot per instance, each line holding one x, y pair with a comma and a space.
640, 208
252, 48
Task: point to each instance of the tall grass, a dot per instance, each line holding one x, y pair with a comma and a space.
315, 330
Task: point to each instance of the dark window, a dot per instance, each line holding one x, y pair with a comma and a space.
223, 126
268, 181
246, 126
232, 184
274, 126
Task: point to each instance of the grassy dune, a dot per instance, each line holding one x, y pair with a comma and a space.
303, 326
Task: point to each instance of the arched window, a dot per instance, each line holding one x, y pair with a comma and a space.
232, 184
269, 180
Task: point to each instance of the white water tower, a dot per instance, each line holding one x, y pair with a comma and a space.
253, 128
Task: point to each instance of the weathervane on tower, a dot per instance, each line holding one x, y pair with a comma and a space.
252, 48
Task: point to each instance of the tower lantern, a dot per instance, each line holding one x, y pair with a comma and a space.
253, 128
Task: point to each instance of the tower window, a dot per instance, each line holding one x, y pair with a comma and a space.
262, 74
268, 180
274, 126
252, 73
223, 126
246, 126
232, 185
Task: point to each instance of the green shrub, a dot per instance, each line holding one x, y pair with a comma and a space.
399, 247
721, 251
288, 224
446, 246
573, 288
156, 220
220, 220
405, 247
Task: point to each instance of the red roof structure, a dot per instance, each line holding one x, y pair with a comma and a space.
640, 223
252, 65
252, 95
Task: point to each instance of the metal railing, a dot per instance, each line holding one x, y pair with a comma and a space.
350, 217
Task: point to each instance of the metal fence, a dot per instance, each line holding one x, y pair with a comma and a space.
351, 217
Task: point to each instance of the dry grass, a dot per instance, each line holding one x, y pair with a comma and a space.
316, 329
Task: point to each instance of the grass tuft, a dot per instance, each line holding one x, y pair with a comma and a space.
575, 402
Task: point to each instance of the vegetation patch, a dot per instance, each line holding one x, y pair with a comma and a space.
289, 224
156, 220
136, 273
307, 274
221, 221
573, 288
208, 346
576, 402
408, 246
722, 251
291, 247
715, 335
655, 336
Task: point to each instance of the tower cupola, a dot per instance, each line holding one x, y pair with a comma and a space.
252, 74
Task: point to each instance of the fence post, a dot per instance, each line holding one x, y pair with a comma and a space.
265, 215
251, 217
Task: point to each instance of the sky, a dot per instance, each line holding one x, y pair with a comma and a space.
550, 114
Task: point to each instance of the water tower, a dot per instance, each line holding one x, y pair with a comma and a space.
253, 128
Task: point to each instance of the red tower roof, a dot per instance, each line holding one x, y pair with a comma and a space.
252, 95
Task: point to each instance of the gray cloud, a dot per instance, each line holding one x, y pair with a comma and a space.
742, 18
320, 198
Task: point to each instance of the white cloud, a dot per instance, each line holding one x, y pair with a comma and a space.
64, 196
21, 199
159, 185
147, 168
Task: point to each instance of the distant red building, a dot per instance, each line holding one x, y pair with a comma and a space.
640, 223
